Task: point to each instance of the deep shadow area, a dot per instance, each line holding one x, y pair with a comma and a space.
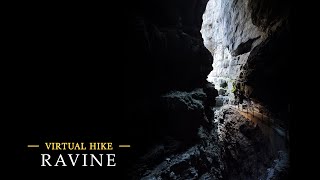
135, 75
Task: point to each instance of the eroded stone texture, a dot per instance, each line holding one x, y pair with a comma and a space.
250, 43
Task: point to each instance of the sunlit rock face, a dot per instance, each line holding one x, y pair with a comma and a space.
229, 34
243, 37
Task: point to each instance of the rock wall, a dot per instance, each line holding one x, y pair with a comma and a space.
165, 70
249, 41
165, 67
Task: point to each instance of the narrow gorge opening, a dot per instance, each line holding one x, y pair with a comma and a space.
212, 102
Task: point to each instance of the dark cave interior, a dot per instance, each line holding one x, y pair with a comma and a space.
146, 77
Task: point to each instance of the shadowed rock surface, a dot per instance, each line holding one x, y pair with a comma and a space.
231, 149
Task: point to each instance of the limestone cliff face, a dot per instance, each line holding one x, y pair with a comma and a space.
228, 33
243, 37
